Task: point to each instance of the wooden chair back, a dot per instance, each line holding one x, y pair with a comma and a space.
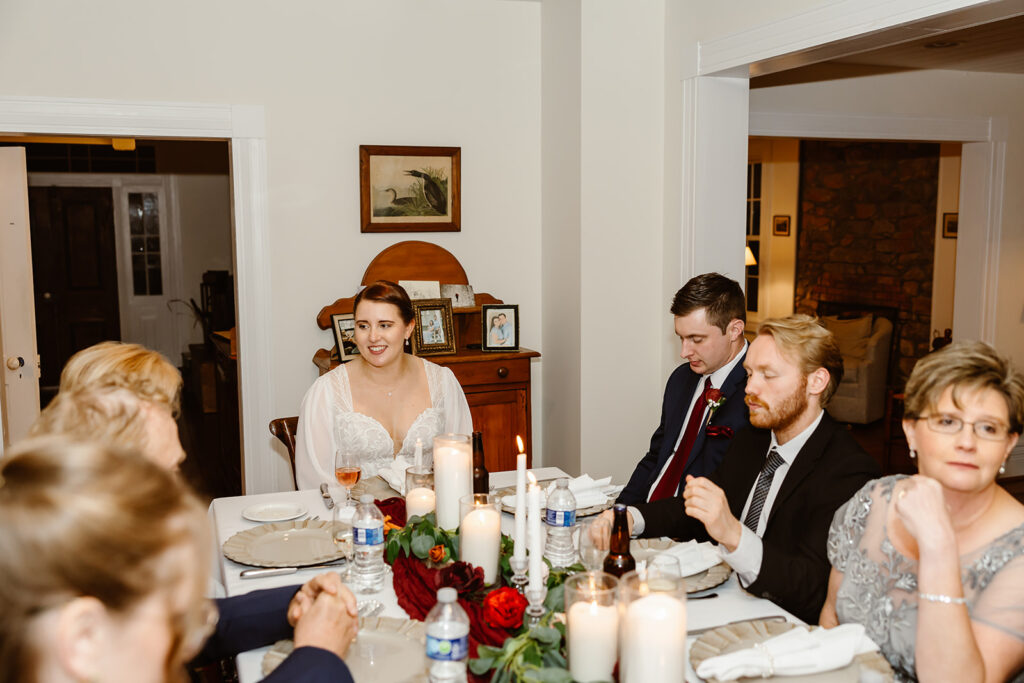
284, 429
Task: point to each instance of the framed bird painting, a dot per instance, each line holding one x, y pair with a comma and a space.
409, 189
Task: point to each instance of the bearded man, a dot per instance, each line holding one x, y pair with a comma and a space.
771, 501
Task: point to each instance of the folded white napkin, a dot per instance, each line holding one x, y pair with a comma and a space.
394, 474
797, 652
694, 557
587, 491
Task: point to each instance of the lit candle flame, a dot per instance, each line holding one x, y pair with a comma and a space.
533, 479
519, 442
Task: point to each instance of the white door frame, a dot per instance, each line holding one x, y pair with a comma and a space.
244, 126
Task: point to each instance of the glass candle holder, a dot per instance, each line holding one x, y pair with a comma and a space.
652, 628
593, 625
480, 533
419, 491
453, 476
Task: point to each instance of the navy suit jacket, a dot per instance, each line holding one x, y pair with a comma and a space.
707, 451
261, 618
827, 471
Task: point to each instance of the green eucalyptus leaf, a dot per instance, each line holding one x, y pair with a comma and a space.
481, 665
552, 675
546, 635
404, 541
555, 600
421, 545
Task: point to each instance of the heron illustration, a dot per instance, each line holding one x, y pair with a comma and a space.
432, 191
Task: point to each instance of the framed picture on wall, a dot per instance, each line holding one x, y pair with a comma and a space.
344, 325
780, 226
500, 327
950, 224
409, 189
435, 332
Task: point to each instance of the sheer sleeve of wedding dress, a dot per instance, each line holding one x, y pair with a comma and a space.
879, 587
327, 422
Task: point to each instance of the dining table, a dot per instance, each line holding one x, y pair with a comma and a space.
730, 602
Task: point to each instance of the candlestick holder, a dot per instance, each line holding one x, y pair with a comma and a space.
536, 609
519, 577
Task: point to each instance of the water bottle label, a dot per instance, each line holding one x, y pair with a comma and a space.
370, 536
448, 649
560, 517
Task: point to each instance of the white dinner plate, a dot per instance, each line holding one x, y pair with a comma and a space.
273, 512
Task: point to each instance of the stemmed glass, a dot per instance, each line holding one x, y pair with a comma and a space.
347, 471
341, 534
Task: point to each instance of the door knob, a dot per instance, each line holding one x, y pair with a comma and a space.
47, 296
15, 362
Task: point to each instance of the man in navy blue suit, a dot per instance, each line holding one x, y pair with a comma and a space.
703, 405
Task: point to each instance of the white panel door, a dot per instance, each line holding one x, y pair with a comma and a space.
20, 399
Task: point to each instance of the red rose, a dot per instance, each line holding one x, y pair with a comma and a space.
463, 577
713, 396
504, 607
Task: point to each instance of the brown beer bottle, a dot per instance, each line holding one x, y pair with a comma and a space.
481, 477
619, 560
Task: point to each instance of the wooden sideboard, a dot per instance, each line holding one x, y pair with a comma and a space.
497, 385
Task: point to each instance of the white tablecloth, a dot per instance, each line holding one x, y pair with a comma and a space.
732, 603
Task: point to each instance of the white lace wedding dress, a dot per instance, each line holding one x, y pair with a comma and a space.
327, 422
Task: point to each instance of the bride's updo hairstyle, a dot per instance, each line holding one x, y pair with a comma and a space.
387, 292
129, 366
79, 520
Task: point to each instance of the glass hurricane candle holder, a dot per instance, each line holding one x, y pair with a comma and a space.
420, 499
480, 533
453, 476
652, 633
593, 625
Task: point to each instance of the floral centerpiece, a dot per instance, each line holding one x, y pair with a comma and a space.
423, 559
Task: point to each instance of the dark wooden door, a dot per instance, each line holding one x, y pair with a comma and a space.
74, 264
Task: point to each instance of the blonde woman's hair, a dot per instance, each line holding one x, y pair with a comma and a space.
965, 367
80, 519
108, 415
802, 339
129, 366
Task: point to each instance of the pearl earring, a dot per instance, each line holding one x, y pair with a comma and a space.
1002, 468
913, 454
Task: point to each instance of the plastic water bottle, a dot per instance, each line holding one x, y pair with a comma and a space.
561, 523
368, 539
447, 638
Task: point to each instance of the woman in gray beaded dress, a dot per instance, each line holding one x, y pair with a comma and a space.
933, 565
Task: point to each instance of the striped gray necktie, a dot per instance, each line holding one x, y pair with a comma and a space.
764, 482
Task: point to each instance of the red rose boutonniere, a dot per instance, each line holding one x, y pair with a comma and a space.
715, 399
504, 607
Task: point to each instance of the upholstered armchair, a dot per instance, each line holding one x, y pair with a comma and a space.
865, 345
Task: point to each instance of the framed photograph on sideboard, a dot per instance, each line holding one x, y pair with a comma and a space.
345, 335
435, 332
500, 327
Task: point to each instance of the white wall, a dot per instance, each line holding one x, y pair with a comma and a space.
954, 94
203, 210
780, 190
330, 76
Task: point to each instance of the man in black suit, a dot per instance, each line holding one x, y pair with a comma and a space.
703, 405
784, 480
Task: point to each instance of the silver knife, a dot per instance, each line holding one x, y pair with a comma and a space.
281, 571
328, 501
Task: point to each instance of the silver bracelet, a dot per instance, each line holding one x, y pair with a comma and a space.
944, 599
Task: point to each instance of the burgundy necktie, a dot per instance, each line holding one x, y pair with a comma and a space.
666, 488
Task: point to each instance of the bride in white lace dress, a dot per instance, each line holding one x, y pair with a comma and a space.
933, 565
379, 404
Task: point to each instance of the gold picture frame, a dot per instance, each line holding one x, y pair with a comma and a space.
434, 334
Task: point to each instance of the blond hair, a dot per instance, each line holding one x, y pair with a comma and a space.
802, 339
109, 415
80, 519
130, 366
966, 367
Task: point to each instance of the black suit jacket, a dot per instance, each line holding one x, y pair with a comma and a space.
828, 470
260, 618
707, 450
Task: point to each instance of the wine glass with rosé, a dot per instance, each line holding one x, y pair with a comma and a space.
347, 471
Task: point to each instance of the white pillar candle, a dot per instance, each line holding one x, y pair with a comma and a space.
453, 476
480, 540
533, 522
592, 636
654, 640
519, 531
419, 501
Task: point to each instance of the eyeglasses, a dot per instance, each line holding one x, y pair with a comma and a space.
983, 429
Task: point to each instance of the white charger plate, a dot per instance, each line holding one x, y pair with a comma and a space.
273, 512
284, 544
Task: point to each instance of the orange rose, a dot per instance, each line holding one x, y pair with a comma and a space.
438, 553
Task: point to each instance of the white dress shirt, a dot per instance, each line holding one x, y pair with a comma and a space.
717, 377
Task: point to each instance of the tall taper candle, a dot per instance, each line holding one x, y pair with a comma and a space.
519, 530
533, 522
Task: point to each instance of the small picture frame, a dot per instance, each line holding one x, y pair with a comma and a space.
344, 325
500, 327
410, 189
461, 296
950, 225
435, 333
780, 226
